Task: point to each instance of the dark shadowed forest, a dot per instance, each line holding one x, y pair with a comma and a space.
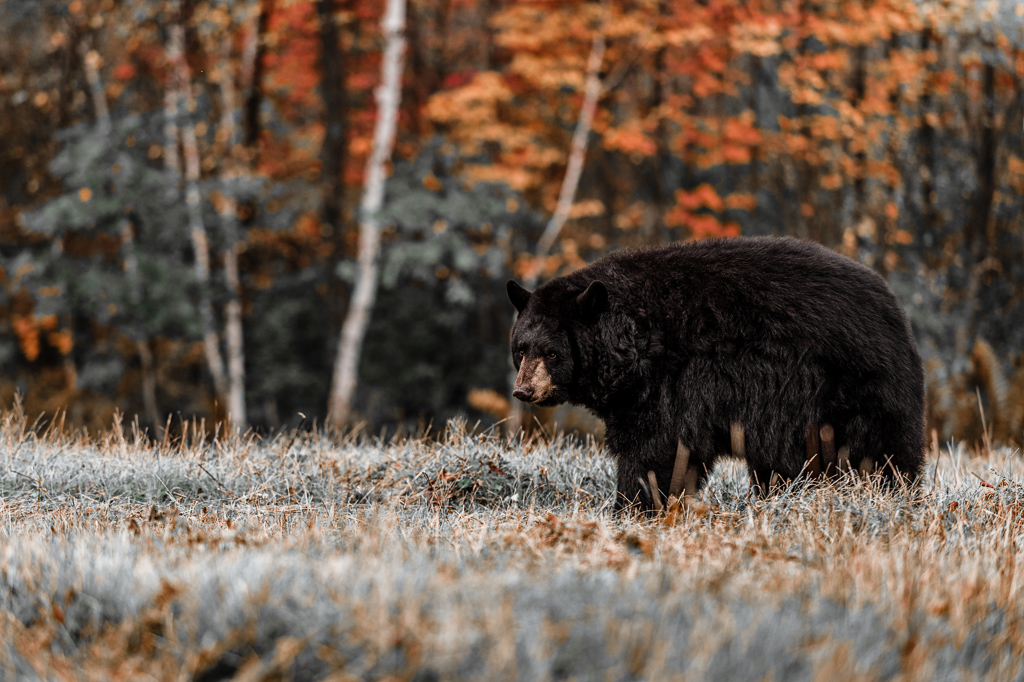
208, 208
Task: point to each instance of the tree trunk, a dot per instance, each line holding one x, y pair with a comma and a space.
333, 157
978, 229
977, 234
197, 229
802, 174
149, 405
570, 182
926, 152
90, 62
353, 332
578, 152
653, 227
860, 155
137, 331
172, 159
333, 151
252, 59
229, 225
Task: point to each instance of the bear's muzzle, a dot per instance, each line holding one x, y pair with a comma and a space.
533, 384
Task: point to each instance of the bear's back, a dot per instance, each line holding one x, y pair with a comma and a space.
757, 291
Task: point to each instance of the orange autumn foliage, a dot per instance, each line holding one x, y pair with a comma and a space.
887, 128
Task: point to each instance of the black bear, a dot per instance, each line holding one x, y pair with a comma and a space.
772, 339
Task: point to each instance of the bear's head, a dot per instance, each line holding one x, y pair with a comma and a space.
544, 347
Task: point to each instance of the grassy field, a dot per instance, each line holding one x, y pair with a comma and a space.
472, 557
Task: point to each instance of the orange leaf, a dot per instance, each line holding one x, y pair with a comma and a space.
704, 196
741, 201
61, 340
732, 153
832, 181
28, 336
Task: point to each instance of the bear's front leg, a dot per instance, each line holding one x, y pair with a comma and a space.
682, 473
641, 445
632, 492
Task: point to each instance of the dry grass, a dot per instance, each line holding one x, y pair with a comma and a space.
475, 558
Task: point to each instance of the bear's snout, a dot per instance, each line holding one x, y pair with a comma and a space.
523, 393
533, 384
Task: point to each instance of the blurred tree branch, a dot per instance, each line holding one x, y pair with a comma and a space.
567, 194
388, 94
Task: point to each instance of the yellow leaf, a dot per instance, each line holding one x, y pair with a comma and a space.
590, 208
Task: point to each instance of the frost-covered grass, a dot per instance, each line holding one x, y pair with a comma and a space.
472, 557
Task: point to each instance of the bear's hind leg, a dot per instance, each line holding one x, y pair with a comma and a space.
885, 448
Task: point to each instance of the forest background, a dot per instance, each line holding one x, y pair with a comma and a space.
180, 183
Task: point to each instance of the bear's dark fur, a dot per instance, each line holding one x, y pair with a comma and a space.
679, 344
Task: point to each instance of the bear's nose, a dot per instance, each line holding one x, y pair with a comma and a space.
523, 393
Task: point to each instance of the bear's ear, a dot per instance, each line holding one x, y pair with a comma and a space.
593, 301
518, 295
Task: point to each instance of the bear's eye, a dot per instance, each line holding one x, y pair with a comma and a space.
552, 356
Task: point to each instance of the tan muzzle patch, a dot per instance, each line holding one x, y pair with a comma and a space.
533, 375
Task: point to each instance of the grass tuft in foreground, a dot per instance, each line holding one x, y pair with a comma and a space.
474, 557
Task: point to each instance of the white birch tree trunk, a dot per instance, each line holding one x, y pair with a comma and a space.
567, 194
172, 161
193, 205
577, 154
353, 331
228, 211
90, 62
